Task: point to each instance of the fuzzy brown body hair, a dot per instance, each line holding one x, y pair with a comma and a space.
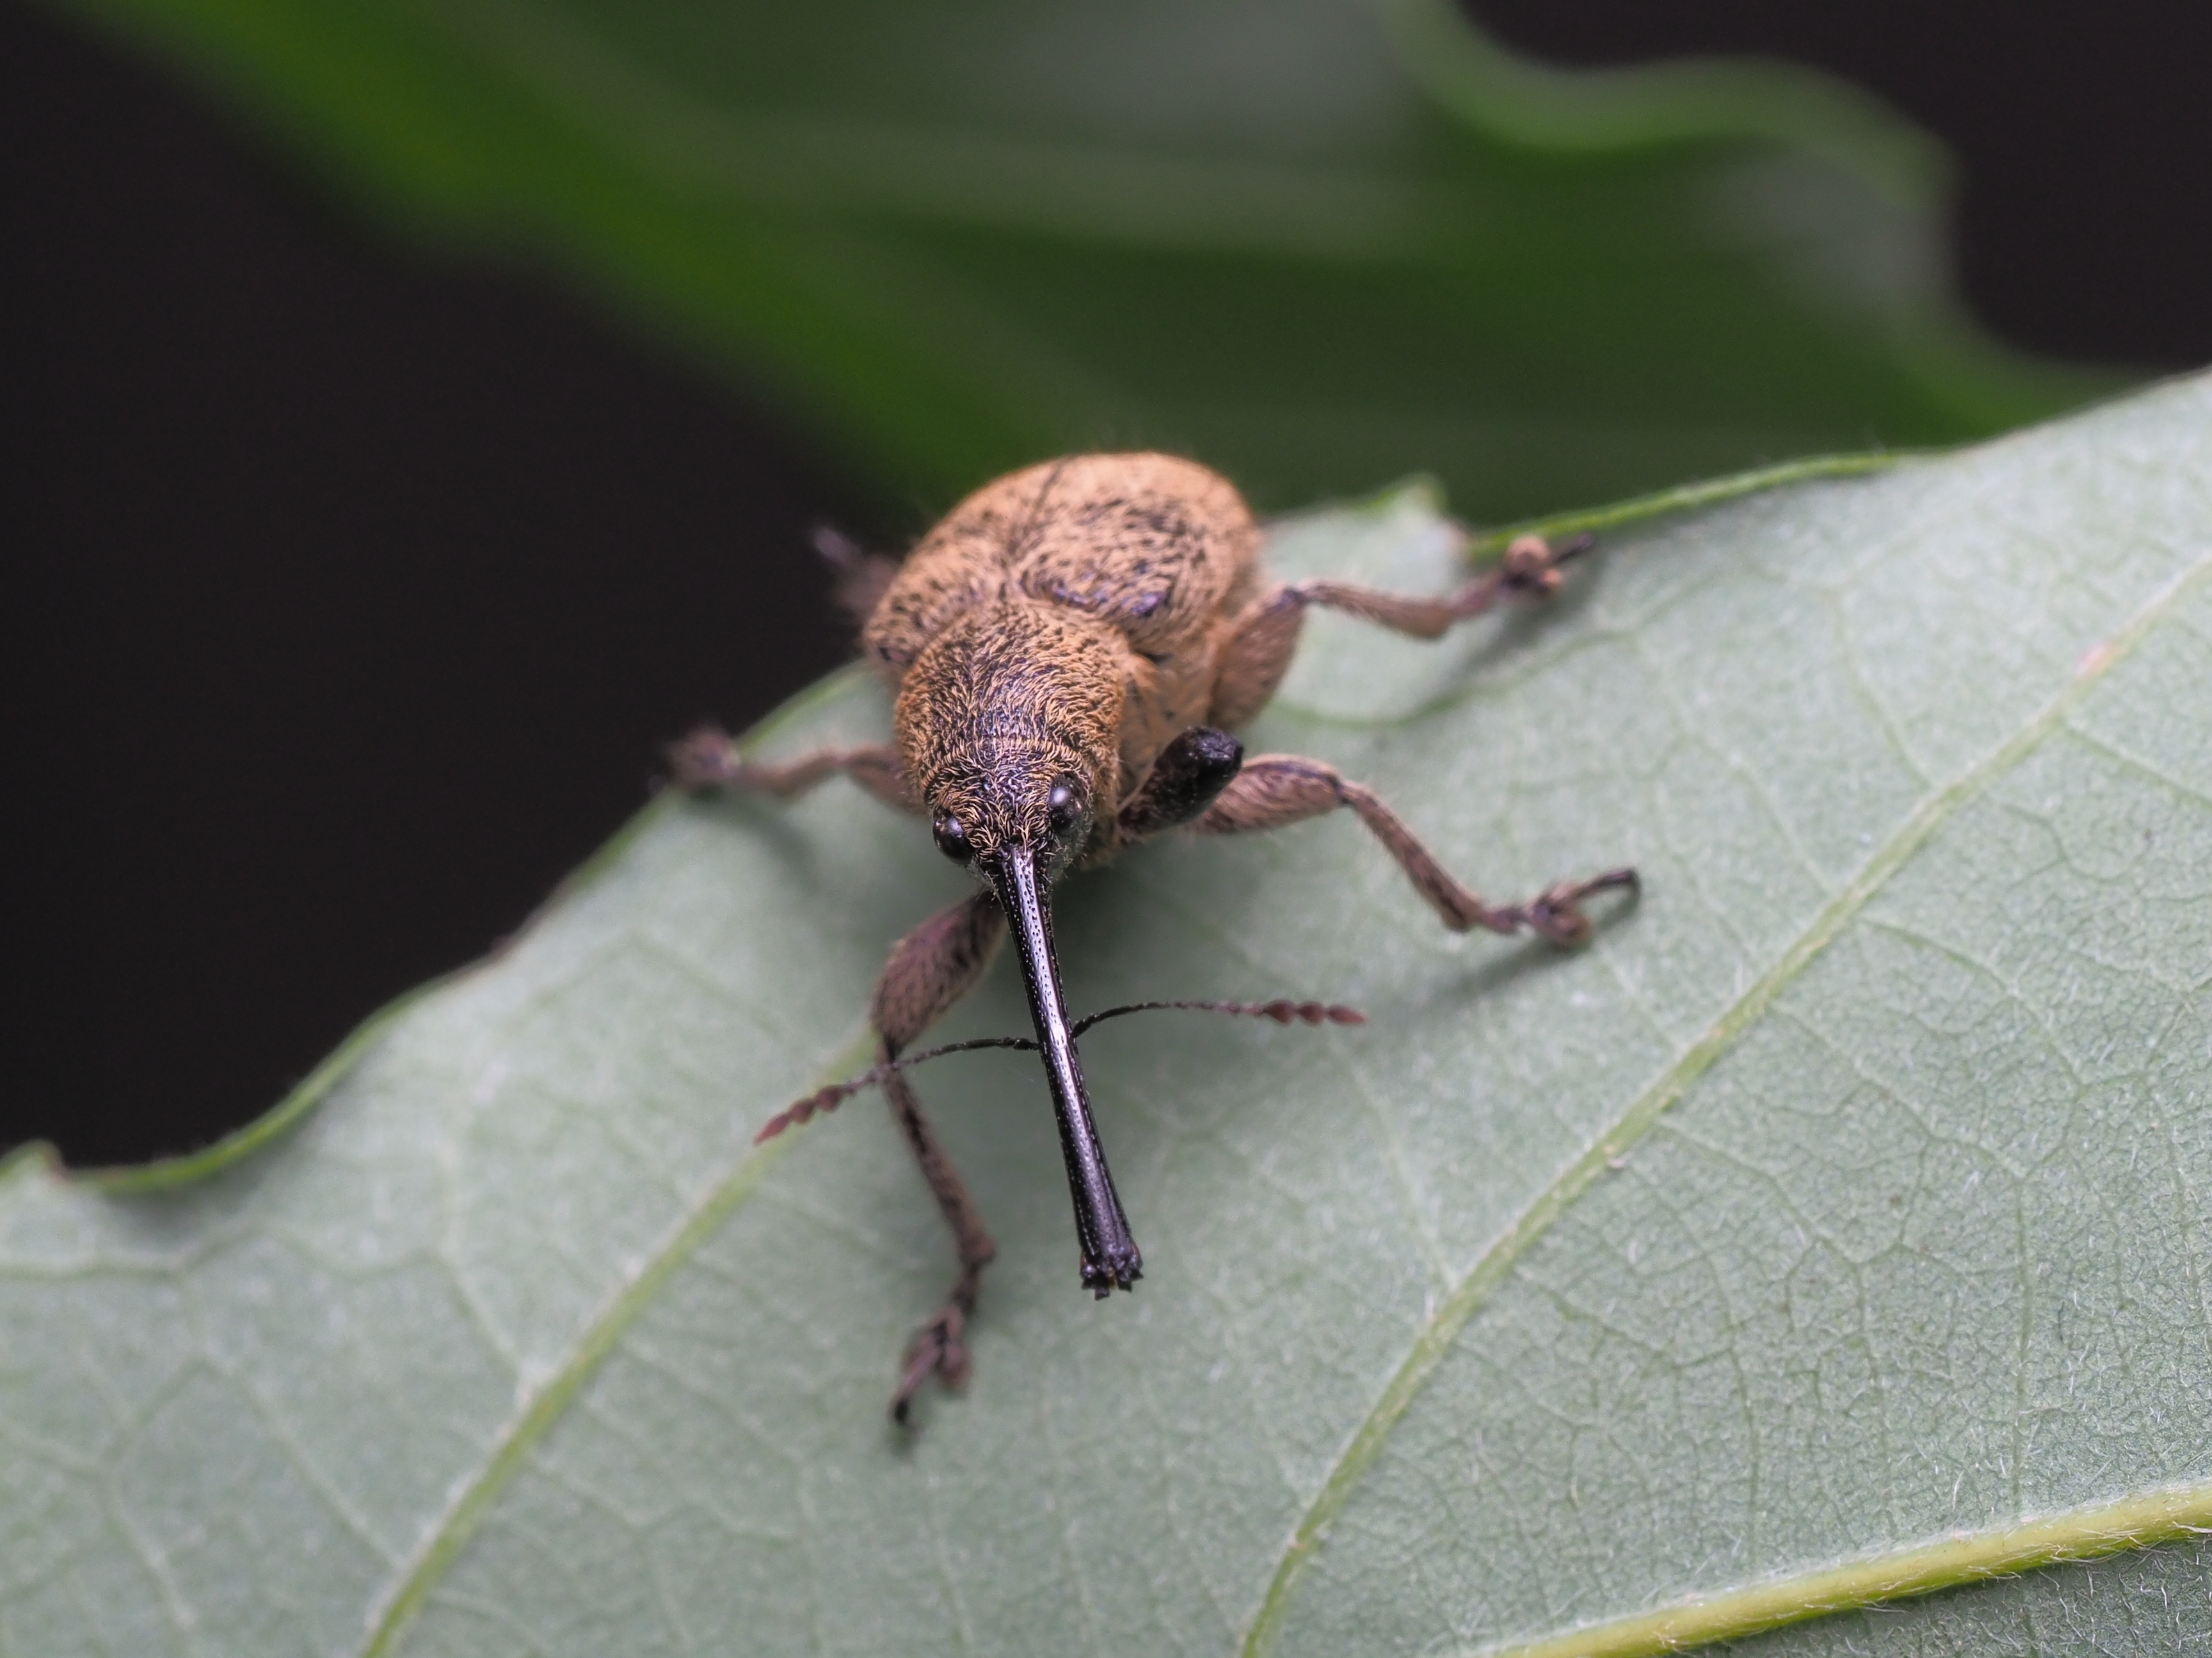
1070, 616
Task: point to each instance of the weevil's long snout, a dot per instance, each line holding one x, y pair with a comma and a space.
1111, 1260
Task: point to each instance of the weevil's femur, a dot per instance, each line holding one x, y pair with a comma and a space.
1009, 725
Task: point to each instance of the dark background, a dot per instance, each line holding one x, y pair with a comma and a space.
255, 795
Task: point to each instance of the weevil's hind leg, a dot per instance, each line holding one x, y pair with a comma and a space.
859, 577
709, 759
1258, 654
929, 970
1276, 790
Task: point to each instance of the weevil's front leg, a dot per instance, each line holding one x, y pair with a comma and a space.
929, 970
1187, 777
709, 759
1278, 789
940, 1348
1258, 654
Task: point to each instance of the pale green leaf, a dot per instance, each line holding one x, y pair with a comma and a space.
1838, 1224
1318, 242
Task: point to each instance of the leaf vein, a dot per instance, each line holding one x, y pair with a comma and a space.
1437, 1336
2139, 1521
445, 1540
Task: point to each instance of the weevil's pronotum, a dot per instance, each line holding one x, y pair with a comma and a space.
1071, 649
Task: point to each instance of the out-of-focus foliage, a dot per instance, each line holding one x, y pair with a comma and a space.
1318, 242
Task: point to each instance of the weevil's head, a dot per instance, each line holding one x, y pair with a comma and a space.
1009, 728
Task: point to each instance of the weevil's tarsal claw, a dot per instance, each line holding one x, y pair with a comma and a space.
1531, 564
1555, 917
705, 758
1111, 1258
1558, 914
939, 1349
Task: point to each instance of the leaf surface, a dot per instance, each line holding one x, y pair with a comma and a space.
1318, 242
1851, 1197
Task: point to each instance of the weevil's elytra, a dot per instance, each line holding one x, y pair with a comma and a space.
1071, 649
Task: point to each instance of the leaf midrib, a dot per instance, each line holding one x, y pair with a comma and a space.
1452, 1315
459, 1524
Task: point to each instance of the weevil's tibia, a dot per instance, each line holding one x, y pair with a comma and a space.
1530, 569
708, 757
940, 1348
1277, 790
1258, 652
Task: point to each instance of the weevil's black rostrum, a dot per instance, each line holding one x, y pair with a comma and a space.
1072, 649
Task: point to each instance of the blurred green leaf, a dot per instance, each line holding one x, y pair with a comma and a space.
1845, 1207
1317, 242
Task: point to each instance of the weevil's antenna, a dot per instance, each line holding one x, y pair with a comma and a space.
829, 1098
1281, 1011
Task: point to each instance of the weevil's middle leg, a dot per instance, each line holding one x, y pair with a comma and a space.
1276, 790
709, 758
1530, 569
1258, 654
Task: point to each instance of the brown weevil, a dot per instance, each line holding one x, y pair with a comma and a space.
1071, 649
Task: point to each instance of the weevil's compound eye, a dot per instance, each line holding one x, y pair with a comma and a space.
952, 837
1065, 807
